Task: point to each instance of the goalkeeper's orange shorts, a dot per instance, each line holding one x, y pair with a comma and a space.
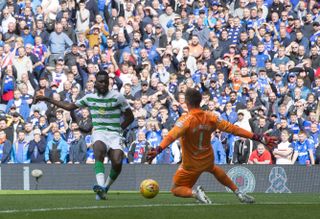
186, 178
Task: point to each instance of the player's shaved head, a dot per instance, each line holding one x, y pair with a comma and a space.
193, 98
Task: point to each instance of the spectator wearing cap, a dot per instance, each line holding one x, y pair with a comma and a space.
93, 34
5, 148
160, 39
21, 105
35, 116
37, 147
20, 149
58, 43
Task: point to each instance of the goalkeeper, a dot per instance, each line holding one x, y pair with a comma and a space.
194, 131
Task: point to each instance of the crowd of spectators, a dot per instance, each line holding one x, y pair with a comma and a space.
255, 62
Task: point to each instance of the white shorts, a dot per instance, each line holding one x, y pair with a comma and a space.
112, 140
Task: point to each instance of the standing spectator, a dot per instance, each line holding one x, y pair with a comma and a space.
58, 43
92, 6
56, 150
37, 148
218, 149
22, 63
21, 106
78, 149
171, 154
283, 152
260, 156
5, 148
138, 149
82, 17
20, 149
242, 150
8, 84
303, 150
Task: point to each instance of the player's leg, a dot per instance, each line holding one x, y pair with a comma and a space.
100, 150
225, 180
183, 181
116, 157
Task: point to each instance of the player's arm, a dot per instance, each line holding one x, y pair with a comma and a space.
126, 110
228, 127
128, 118
64, 105
176, 132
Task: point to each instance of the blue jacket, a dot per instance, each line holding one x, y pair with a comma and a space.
24, 109
20, 152
303, 150
219, 152
61, 145
6, 149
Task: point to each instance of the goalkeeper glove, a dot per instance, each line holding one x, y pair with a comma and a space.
270, 141
152, 153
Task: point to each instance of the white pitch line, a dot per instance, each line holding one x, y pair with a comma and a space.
147, 206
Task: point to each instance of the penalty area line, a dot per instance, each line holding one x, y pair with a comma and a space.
13, 211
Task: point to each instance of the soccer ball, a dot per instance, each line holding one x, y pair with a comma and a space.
149, 188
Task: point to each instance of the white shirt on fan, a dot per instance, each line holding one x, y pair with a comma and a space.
282, 147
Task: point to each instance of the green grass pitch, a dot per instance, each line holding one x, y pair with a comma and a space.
122, 205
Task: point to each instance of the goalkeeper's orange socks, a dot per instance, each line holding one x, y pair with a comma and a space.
182, 191
223, 178
99, 169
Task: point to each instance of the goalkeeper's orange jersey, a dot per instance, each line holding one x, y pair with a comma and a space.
195, 130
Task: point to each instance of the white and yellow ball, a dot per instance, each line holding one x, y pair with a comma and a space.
149, 188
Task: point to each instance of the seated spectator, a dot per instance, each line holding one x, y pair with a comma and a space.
5, 148
78, 149
260, 156
56, 150
138, 150
37, 147
283, 152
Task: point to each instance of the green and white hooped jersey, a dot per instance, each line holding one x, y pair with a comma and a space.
105, 110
